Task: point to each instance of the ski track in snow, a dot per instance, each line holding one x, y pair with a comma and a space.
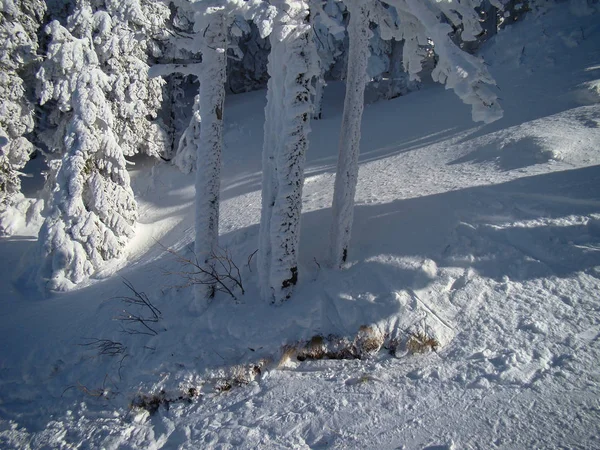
489, 237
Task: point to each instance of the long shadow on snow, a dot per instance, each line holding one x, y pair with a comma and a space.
525, 152
450, 226
485, 228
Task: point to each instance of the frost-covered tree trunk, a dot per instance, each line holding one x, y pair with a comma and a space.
91, 211
208, 167
318, 98
293, 64
347, 168
275, 93
398, 76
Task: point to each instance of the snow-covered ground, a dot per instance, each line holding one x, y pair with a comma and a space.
486, 237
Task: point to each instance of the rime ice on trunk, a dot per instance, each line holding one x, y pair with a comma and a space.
269, 177
347, 169
208, 157
318, 101
399, 79
293, 64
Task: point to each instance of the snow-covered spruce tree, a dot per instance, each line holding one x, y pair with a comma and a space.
185, 157
462, 72
465, 74
293, 63
347, 170
91, 211
248, 70
329, 34
19, 22
177, 101
127, 37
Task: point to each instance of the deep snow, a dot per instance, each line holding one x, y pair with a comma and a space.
487, 236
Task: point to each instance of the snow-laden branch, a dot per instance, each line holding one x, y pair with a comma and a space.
457, 69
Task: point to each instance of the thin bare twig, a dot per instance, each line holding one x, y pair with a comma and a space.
105, 346
139, 299
250, 259
219, 271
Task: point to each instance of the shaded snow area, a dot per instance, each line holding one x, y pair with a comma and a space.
484, 238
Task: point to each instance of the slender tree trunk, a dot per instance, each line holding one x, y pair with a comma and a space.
398, 77
292, 68
349, 147
275, 93
208, 159
318, 102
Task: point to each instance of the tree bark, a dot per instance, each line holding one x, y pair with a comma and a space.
349, 147
292, 68
208, 160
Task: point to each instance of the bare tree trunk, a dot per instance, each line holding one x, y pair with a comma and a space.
318, 98
398, 77
272, 129
349, 148
208, 160
292, 68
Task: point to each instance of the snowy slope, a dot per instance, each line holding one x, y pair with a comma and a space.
486, 236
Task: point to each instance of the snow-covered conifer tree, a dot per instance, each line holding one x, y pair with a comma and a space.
329, 33
293, 63
91, 211
185, 157
248, 69
19, 22
100, 106
127, 36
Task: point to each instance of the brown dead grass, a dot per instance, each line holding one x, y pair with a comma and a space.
421, 342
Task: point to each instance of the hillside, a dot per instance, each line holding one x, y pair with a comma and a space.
484, 237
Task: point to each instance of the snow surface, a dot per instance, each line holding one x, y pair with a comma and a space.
487, 235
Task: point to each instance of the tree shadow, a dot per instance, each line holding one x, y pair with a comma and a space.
522, 222
511, 155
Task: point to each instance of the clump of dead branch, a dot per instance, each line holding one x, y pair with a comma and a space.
219, 272
367, 342
151, 402
421, 342
142, 320
226, 380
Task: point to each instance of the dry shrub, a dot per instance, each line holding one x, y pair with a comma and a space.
314, 349
240, 375
340, 348
368, 341
288, 353
151, 402
420, 342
